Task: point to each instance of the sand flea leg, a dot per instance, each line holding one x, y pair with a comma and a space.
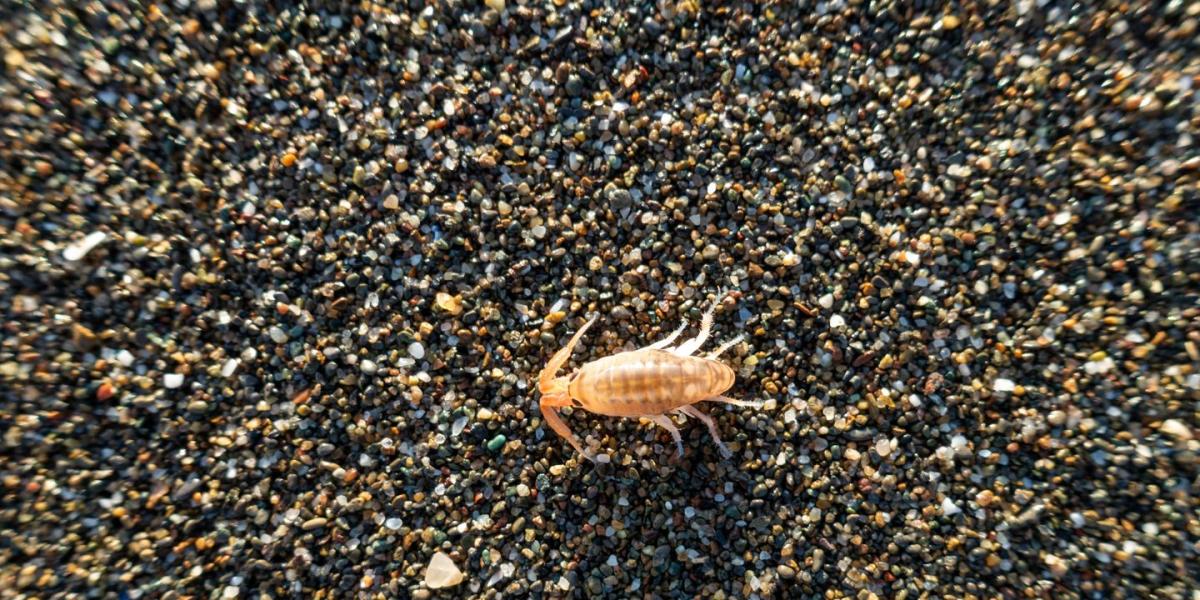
663, 343
728, 400
706, 322
556, 423
666, 423
722, 348
692, 411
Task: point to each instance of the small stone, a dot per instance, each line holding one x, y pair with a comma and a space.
80, 249
1176, 429
442, 572
1056, 417
172, 380
497, 442
985, 498
950, 22
105, 391
448, 303
368, 367
278, 335
416, 350
1003, 385
1058, 567
836, 321
949, 508
14, 58
883, 447
314, 523
826, 301
393, 523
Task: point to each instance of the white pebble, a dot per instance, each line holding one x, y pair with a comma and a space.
1003, 385
80, 249
368, 366
278, 335
826, 301
231, 591
1098, 367
458, 426
836, 321
883, 447
949, 508
442, 572
868, 164
393, 523
125, 358
1176, 429
958, 443
172, 380
416, 350
230, 367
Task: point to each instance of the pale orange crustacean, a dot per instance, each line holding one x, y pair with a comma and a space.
650, 382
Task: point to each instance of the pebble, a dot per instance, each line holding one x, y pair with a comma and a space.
949, 508
78, 250
1177, 430
172, 380
314, 523
442, 572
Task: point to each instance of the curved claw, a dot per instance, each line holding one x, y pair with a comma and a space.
548, 374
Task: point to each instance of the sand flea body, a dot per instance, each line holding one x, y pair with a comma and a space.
652, 382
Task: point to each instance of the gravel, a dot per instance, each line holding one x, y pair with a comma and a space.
278, 281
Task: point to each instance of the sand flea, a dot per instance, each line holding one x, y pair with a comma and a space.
651, 382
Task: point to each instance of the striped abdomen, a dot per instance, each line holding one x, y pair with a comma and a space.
647, 382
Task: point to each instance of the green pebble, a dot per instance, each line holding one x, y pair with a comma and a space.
495, 443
